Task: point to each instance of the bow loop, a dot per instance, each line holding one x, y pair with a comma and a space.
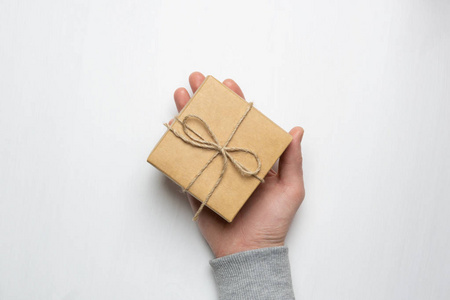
242, 169
188, 130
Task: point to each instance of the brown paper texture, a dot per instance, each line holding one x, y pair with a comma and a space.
221, 109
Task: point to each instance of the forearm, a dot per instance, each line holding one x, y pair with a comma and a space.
257, 274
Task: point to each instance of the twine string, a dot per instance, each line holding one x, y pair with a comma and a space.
195, 139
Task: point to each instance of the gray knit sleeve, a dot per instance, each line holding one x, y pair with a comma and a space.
256, 274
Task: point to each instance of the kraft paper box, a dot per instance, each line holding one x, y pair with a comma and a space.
182, 157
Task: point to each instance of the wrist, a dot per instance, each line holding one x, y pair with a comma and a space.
234, 248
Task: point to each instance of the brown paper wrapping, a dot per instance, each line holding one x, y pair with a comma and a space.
221, 109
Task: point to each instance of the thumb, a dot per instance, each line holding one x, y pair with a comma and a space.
290, 166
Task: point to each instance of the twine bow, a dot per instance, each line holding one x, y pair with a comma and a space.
224, 150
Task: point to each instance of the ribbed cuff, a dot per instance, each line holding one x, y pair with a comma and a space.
256, 274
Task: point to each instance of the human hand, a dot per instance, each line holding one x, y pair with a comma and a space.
265, 218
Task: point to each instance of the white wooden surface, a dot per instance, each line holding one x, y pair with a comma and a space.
86, 85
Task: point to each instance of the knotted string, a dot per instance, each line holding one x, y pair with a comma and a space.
224, 150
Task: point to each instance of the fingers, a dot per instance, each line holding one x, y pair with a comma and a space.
195, 80
234, 87
181, 97
271, 173
290, 166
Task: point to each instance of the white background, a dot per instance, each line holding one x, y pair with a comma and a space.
86, 85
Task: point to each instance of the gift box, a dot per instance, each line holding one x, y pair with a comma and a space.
219, 148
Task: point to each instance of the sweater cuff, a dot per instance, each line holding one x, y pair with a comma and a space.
256, 274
